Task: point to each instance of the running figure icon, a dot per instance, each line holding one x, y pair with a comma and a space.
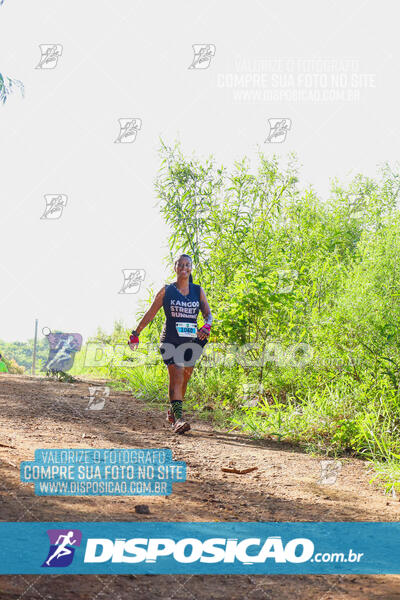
62, 550
62, 542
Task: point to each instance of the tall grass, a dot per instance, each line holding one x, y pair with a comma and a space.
283, 271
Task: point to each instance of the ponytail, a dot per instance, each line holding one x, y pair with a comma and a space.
190, 278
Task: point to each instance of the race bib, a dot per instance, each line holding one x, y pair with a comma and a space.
186, 330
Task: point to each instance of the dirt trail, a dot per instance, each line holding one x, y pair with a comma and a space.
37, 413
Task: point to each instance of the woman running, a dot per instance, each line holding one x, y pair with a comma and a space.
181, 342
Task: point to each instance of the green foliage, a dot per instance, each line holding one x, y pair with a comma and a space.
22, 352
8, 86
311, 286
13, 367
60, 376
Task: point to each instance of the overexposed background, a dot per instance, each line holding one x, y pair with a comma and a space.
123, 58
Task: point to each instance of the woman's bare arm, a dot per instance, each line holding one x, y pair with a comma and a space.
153, 310
206, 312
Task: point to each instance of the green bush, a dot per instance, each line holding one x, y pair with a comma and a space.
311, 285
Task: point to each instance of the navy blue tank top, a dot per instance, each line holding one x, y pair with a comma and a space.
181, 314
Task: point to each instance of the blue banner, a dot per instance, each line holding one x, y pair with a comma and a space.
194, 548
102, 472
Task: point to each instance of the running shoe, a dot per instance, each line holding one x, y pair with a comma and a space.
181, 426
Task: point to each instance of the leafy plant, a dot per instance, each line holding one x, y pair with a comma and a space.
8, 86
305, 289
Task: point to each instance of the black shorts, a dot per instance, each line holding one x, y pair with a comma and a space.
182, 354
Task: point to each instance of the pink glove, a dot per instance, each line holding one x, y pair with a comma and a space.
206, 329
133, 341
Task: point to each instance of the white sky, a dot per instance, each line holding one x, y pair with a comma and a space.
123, 58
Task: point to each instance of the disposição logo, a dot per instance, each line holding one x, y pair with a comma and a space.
61, 551
190, 550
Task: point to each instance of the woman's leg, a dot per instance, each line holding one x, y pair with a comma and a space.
186, 376
170, 387
176, 378
191, 357
176, 382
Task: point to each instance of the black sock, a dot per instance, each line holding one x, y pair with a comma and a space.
176, 406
